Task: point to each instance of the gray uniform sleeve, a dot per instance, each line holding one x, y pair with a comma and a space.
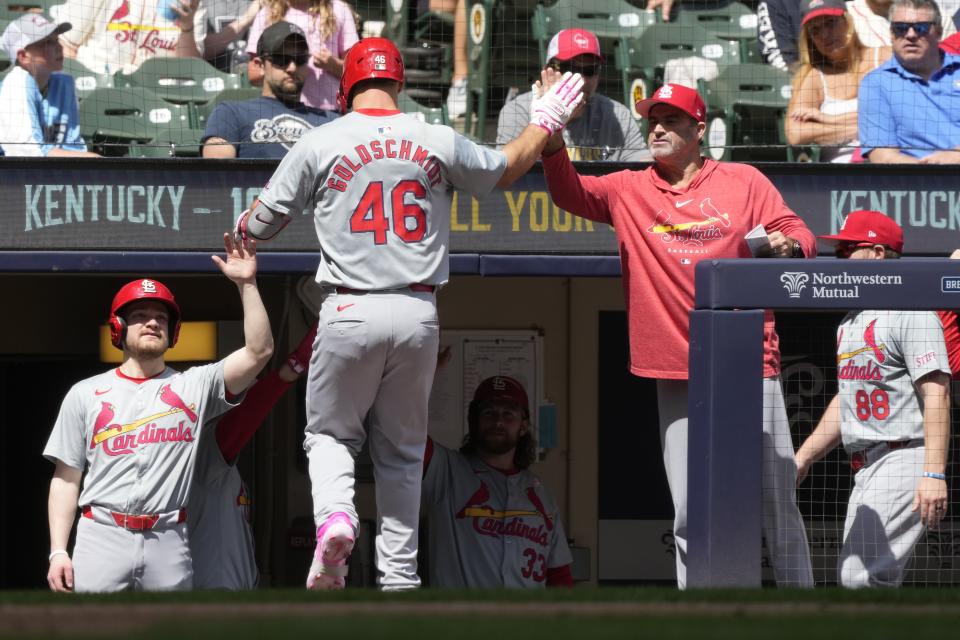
434, 483
475, 169
922, 344
514, 118
68, 438
292, 188
559, 554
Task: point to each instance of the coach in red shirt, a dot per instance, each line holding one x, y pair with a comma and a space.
683, 209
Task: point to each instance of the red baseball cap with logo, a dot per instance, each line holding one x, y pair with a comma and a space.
502, 388
870, 227
810, 9
571, 43
675, 95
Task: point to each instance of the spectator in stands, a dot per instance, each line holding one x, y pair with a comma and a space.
600, 128
330, 29
40, 116
108, 38
908, 106
227, 24
823, 107
778, 25
457, 96
871, 20
266, 127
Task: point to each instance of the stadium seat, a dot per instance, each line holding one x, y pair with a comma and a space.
426, 44
734, 21
111, 119
641, 61
184, 81
746, 104
610, 20
430, 115
179, 143
502, 58
85, 80
227, 95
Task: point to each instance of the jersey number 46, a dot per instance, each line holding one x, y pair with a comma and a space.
409, 219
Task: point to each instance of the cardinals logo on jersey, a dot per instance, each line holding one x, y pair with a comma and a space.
488, 521
709, 226
870, 370
118, 439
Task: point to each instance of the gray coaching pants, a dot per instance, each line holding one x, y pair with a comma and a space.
783, 526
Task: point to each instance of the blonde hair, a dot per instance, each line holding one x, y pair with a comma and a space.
811, 58
320, 10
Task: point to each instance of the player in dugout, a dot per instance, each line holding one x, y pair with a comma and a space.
892, 414
492, 523
131, 434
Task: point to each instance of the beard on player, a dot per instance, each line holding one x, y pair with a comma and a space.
490, 441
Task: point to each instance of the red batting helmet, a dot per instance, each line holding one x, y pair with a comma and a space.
144, 289
368, 59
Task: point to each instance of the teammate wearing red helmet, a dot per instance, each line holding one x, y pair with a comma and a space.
134, 432
379, 184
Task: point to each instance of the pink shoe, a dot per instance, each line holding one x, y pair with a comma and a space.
335, 539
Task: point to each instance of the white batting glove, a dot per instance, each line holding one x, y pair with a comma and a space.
240, 229
551, 110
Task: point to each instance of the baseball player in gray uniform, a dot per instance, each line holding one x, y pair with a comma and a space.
219, 511
892, 414
378, 184
492, 524
131, 434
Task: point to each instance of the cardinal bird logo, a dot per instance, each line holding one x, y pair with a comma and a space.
479, 498
538, 505
170, 397
871, 341
102, 423
122, 12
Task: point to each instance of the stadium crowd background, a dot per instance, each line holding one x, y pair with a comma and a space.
148, 84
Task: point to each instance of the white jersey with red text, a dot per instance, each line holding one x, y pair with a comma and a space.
136, 440
881, 356
379, 188
489, 529
119, 35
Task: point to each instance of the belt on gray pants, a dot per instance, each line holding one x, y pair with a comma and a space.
871, 454
131, 522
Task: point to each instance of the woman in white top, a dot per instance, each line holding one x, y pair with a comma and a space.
823, 107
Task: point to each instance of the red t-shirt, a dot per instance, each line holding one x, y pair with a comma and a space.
951, 44
663, 232
951, 336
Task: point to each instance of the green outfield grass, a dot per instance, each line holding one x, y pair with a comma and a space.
582, 613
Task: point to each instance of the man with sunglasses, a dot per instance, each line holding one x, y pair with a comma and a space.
892, 414
601, 128
910, 105
268, 126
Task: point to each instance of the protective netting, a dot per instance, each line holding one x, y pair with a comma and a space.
780, 80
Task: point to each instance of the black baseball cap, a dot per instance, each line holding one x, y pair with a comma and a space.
810, 9
276, 35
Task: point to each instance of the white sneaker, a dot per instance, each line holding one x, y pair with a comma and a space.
457, 99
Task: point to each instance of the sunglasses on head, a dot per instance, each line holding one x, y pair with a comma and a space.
901, 29
283, 60
586, 70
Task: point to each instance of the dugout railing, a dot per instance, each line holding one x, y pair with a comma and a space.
725, 402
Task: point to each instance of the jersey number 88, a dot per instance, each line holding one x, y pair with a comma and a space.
409, 218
